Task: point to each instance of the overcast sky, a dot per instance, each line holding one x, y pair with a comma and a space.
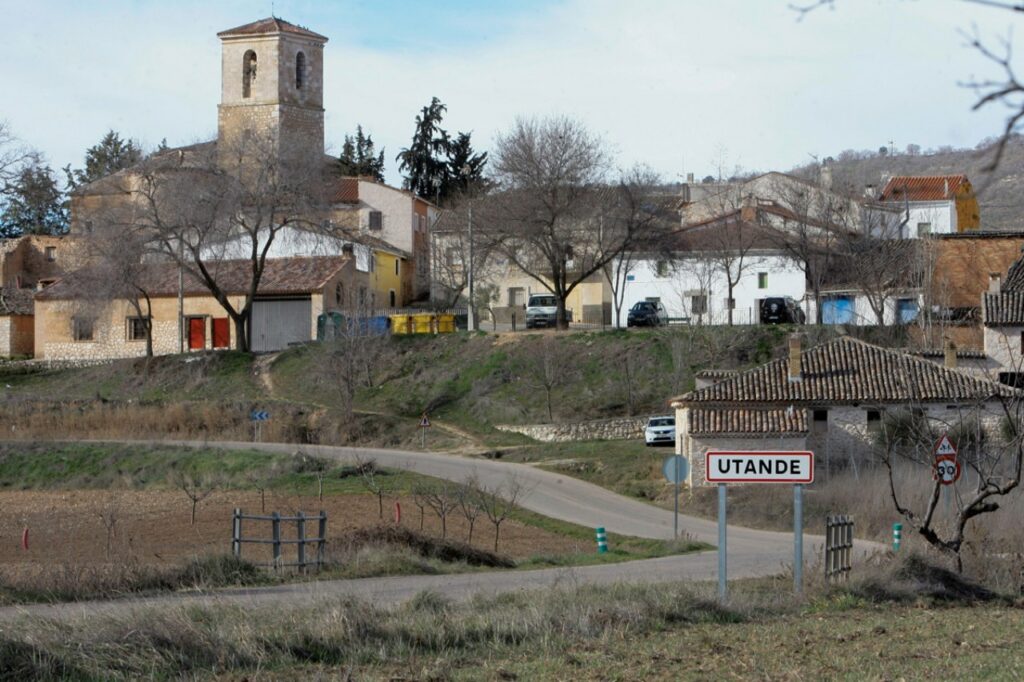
682, 85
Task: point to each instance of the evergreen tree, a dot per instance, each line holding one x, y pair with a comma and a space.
465, 167
110, 155
34, 204
358, 157
425, 161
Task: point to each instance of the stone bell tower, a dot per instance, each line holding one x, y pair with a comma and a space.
272, 88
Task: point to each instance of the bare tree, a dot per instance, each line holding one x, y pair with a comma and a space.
194, 206
419, 498
549, 369
261, 479
14, 156
467, 497
319, 467
992, 456
350, 356
368, 471
110, 515
196, 488
442, 498
500, 502
555, 214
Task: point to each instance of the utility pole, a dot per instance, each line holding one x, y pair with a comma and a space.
471, 317
181, 299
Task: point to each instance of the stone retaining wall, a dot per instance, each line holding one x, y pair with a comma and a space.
601, 429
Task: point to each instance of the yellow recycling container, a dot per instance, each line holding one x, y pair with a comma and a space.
424, 323
403, 324
446, 324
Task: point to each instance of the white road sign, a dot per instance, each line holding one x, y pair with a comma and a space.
945, 447
759, 466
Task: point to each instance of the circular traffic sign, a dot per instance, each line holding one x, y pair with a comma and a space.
675, 468
947, 469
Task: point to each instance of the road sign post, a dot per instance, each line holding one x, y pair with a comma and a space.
676, 468
757, 466
258, 417
424, 425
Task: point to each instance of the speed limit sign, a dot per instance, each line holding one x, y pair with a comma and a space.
947, 469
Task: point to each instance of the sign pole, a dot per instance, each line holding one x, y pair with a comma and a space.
798, 538
721, 542
675, 521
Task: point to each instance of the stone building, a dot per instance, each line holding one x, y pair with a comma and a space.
293, 293
830, 399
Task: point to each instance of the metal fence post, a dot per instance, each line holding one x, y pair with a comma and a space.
276, 534
321, 539
602, 540
236, 533
897, 536
300, 526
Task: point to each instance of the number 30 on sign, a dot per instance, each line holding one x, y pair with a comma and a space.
947, 469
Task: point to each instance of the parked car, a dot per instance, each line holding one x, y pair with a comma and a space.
647, 314
781, 310
541, 311
660, 431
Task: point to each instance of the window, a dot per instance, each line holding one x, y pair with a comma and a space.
136, 329
762, 280
396, 265
874, 421
1022, 342
450, 256
821, 415
300, 70
924, 229
376, 220
661, 268
248, 72
391, 297
51, 253
699, 304
82, 328
730, 303
516, 296
339, 294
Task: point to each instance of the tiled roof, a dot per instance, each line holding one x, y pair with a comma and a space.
846, 371
344, 191
1004, 309
743, 422
270, 25
716, 373
922, 187
281, 277
1014, 277
961, 353
16, 301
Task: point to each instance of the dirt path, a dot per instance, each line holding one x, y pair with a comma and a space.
261, 368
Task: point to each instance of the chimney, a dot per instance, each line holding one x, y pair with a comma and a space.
950, 355
826, 177
869, 191
945, 188
885, 178
994, 282
795, 371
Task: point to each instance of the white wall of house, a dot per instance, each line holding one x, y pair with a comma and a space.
676, 284
926, 217
290, 242
898, 305
1004, 346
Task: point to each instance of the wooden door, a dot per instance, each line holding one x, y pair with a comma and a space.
196, 333
221, 332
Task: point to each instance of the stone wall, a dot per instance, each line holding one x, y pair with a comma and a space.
602, 429
16, 333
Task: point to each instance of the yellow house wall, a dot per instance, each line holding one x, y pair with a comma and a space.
384, 280
968, 213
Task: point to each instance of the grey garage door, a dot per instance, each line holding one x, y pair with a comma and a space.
279, 322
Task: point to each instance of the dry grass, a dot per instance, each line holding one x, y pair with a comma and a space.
584, 632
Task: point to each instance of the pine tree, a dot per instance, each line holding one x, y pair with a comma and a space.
465, 167
425, 161
34, 204
359, 159
110, 155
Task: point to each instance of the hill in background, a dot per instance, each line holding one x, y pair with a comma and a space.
1000, 193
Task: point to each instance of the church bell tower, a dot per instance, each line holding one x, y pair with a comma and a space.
272, 88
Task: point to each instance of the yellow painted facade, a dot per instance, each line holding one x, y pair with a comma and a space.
386, 279
968, 213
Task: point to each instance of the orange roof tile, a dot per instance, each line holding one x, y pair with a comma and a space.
270, 25
922, 187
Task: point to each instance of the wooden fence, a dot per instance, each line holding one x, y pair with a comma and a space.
838, 547
276, 541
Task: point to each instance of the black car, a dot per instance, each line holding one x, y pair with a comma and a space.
647, 314
781, 310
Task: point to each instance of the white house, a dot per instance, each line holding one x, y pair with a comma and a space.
692, 279
933, 204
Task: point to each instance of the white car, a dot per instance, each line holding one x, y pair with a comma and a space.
660, 431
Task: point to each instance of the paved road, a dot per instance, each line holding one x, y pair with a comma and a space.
751, 553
